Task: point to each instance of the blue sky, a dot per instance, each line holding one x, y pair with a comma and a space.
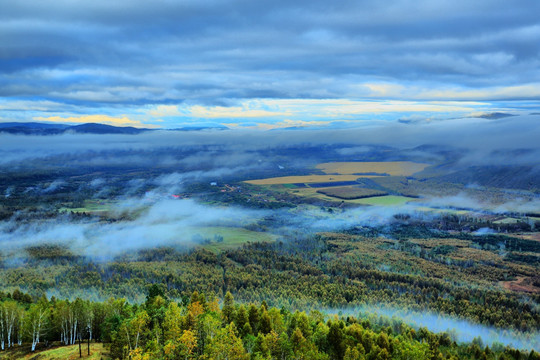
267, 64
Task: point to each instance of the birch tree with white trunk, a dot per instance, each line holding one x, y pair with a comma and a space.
36, 322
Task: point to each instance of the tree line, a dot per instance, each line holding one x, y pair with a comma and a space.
205, 327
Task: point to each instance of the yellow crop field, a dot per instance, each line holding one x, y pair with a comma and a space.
394, 168
304, 179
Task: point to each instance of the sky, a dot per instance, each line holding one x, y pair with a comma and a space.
267, 64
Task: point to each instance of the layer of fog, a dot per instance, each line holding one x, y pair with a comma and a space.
465, 201
316, 219
154, 220
162, 223
512, 140
459, 330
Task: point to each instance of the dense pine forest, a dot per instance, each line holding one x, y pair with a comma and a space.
420, 270
205, 327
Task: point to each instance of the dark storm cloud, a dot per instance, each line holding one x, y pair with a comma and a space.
135, 52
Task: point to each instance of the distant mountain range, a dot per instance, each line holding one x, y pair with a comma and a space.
493, 115
36, 128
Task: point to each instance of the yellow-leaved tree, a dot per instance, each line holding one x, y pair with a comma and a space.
226, 345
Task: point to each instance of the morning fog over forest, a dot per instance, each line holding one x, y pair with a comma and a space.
270, 180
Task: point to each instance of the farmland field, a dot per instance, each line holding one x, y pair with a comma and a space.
232, 237
394, 168
304, 179
387, 200
351, 192
441, 211
506, 220
332, 184
90, 206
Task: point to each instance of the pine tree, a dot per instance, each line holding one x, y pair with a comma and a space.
228, 308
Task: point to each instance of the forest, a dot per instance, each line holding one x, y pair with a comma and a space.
205, 327
269, 180
109, 247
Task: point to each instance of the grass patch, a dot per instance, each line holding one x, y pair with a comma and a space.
506, 220
232, 237
383, 200
97, 352
290, 186
91, 206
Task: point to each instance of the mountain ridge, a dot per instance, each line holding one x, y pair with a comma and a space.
37, 128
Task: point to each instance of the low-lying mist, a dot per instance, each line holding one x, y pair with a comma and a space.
148, 225
460, 330
511, 140
154, 221
464, 201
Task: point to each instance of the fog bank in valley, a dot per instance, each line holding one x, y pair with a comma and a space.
510, 140
459, 329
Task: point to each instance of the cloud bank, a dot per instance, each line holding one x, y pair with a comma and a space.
239, 62
473, 141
